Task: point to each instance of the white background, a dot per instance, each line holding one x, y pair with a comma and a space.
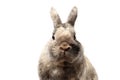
26, 26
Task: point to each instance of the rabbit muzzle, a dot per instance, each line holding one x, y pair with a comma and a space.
65, 46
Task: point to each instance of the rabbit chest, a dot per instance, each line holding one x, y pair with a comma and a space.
63, 73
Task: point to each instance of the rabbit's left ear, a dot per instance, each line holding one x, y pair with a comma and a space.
72, 16
55, 17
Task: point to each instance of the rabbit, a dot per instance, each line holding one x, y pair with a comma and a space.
63, 57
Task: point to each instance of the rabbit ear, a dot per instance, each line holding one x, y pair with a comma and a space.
72, 16
55, 17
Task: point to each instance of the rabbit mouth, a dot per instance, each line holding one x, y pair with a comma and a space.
64, 57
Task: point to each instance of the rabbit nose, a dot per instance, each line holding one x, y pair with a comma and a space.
65, 46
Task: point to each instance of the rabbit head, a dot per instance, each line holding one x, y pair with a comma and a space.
64, 46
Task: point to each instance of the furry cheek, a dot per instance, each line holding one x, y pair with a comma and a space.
54, 51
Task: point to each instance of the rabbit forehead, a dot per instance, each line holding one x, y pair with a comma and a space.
65, 33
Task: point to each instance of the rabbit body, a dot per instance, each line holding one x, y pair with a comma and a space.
63, 57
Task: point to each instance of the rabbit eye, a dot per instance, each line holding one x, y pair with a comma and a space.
74, 37
53, 37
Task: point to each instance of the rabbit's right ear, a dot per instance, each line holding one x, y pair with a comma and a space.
55, 17
72, 16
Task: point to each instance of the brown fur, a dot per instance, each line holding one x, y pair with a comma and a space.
63, 57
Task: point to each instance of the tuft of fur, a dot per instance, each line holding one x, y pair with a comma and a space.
63, 57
